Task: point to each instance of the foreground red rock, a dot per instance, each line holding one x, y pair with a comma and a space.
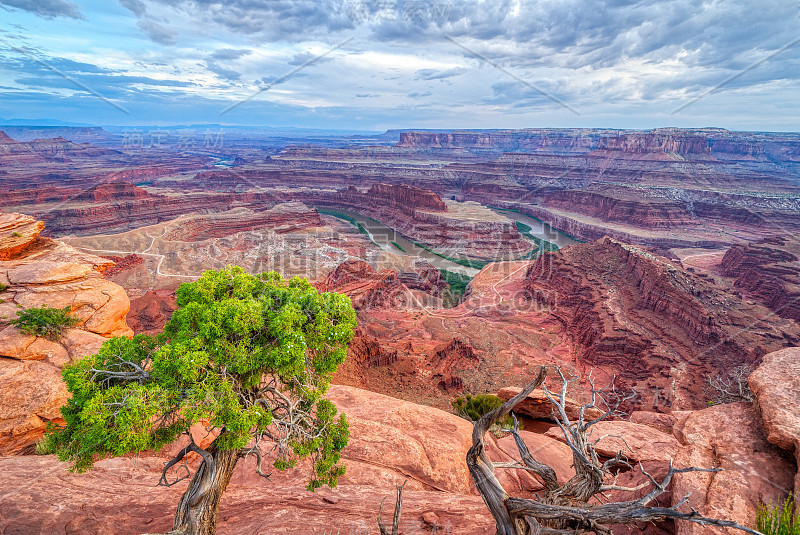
130, 504
31, 394
53, 274
538, 406
636, 441
391, 441
18, 232
776, 385
754, 471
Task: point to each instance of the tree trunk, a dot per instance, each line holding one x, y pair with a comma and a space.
199, 506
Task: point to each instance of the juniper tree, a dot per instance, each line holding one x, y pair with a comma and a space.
249, 356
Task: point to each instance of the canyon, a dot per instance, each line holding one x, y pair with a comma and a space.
677, 263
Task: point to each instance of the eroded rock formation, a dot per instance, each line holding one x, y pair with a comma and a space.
366, 287
457, 229
56, 275
776, 385
661, 329
769, 272
730, 437
18, 232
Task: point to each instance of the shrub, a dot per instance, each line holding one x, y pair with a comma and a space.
43, 447
458, 286
730, 387
3, 287
45, 321
473, 407
778, 520
16, 234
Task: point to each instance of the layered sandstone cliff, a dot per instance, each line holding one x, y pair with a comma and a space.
768, 271
366, 287
663, 143
43, 150
660, 329
118, 207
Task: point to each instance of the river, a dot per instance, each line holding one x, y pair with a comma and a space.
383, 237
540, 229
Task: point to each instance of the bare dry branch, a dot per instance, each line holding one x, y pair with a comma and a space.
398, 506
566, 508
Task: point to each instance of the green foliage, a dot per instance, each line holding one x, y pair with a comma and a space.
524, 229
45, 321
43, 448
16, 234
458, 285
778, 519
398, 246
473, 407
3, 287
233, 337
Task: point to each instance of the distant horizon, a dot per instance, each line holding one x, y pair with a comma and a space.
43, 123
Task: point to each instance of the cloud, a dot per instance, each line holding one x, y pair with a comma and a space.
45, 64
271, 20
617, 57
157, 32
47, 9
229, 54
136, 7
228, 74
305, 57
103, 84
434, 74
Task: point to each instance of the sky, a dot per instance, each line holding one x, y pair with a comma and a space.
378, 64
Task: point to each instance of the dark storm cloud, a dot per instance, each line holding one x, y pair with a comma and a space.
48, 9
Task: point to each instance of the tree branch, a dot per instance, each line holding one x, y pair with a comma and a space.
544, 472
398, 506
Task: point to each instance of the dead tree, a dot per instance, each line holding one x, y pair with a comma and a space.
566, 508
398, 507
731, 386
